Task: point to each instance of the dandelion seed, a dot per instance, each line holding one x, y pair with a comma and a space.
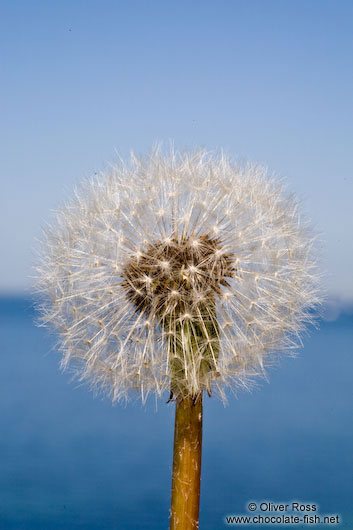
161, 249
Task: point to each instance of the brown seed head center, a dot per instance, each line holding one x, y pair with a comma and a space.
176, 277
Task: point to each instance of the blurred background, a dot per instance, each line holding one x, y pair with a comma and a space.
85, 81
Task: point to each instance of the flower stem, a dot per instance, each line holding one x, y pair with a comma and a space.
185, 503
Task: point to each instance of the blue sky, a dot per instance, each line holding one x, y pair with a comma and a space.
270, 81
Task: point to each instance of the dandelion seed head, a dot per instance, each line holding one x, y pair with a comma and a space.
181, 272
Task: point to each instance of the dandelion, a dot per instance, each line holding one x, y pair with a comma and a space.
182, 273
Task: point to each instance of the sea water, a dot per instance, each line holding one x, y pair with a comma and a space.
72, 461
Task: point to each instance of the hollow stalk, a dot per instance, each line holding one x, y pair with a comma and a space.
185, 504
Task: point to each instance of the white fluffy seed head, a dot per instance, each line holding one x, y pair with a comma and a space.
182, 272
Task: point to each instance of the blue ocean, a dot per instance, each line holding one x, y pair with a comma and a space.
72, 461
